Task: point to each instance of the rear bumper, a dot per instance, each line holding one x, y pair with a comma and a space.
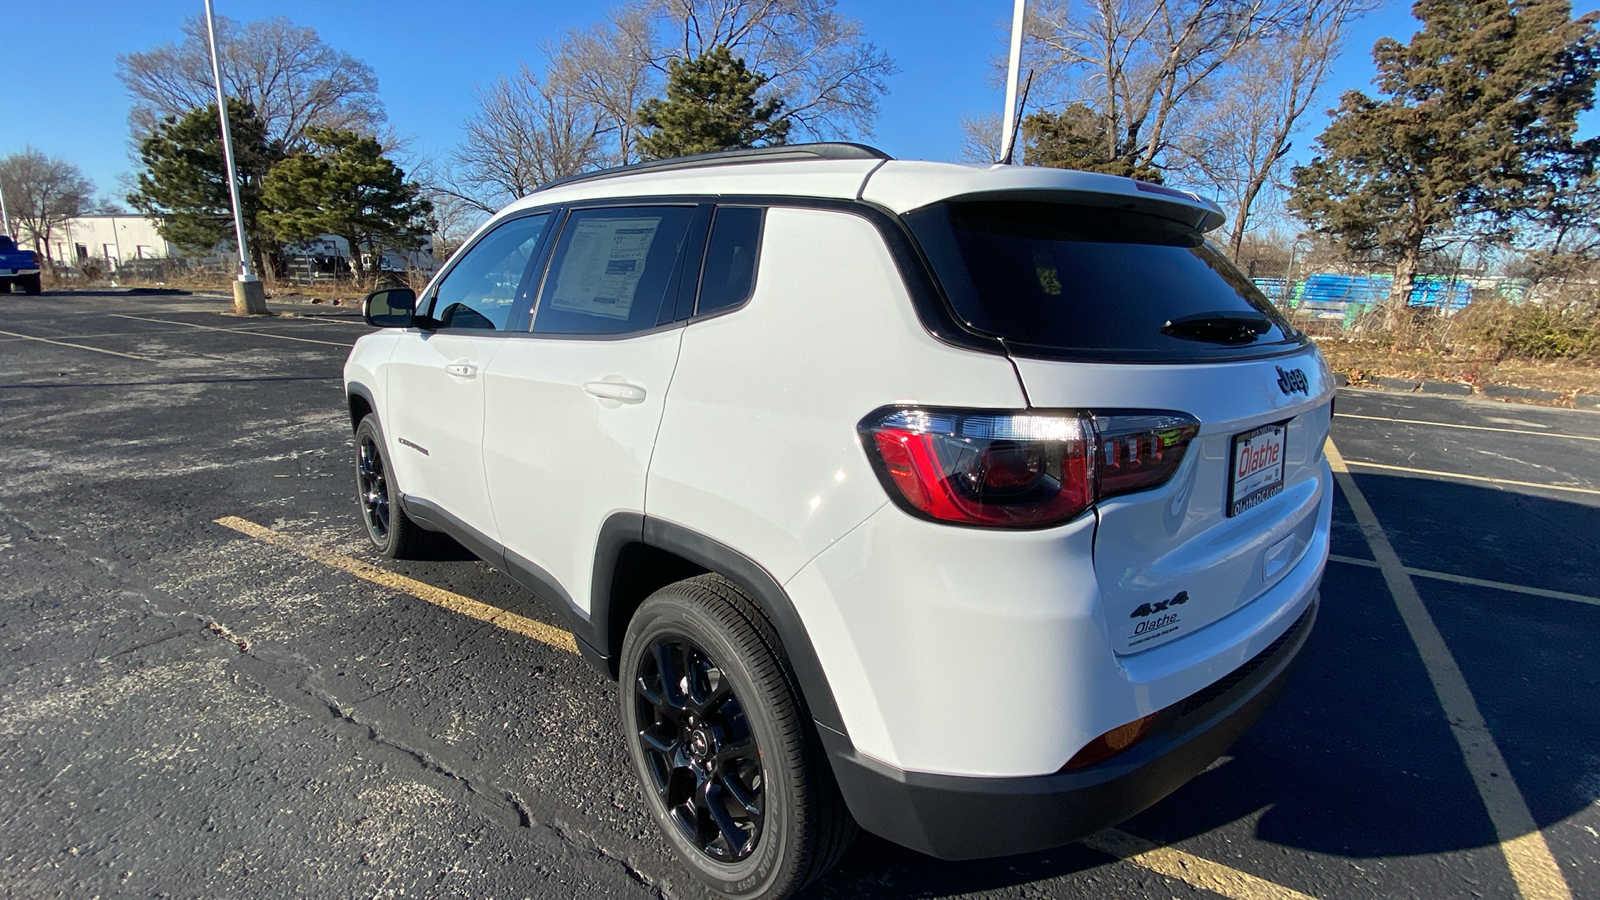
958, 817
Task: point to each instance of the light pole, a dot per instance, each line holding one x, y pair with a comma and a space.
1008, 121
249, 298
5, 220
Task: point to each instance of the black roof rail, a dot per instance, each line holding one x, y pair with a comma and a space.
781, 153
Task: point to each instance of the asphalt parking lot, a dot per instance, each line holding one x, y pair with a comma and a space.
212, 689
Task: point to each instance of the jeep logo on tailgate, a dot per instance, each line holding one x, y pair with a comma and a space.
1292, 380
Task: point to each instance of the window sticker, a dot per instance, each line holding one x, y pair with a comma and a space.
603, 266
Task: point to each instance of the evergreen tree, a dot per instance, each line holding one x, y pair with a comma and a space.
1474, 126
1076, 138
710, 105
184, 184
344, 185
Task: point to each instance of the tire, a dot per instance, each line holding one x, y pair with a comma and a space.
388, 527
5, 285
31, 285
739, 741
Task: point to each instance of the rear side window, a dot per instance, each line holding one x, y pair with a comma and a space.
1079, 282
612, 270
729, 275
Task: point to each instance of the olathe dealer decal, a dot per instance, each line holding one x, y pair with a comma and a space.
1156, 619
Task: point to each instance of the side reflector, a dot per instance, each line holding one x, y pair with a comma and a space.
1111, 743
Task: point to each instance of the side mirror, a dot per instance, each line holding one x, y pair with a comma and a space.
389, 308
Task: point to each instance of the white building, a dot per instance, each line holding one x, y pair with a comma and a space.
111, 238
114, 239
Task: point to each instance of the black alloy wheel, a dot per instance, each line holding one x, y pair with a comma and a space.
727, 760
372, 482
387, 526
701, 755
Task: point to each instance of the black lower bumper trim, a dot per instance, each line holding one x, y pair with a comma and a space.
958, 817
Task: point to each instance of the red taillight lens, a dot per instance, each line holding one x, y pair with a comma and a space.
1019, 470
1140, 450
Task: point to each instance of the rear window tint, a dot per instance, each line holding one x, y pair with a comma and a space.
730, 269
1088, 283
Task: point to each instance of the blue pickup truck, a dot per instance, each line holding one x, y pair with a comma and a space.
17, 267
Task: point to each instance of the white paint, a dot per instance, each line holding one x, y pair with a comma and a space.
560, 460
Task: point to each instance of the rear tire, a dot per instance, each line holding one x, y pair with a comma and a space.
727, 761
30, 284
5, 285
388, 527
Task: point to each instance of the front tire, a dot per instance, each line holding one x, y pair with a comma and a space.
726, 759
388, 527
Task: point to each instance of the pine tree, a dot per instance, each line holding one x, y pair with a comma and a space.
710, 105
344, 185
1474, 126
1076, 138
184, 184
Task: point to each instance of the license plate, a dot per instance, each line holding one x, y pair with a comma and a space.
1257, 473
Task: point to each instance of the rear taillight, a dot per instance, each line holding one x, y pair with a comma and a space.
1020, 470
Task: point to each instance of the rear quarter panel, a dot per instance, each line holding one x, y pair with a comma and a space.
758, 446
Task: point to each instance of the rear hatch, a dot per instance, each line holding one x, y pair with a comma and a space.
1113, 311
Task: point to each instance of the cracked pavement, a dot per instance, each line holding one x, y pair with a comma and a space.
188, 712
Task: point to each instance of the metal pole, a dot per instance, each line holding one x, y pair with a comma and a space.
1008, 121
5, 219
227, 149
248, 297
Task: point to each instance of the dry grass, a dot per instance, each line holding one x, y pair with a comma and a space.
1360, 359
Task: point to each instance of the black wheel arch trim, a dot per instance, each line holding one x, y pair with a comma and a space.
623, 529
354, 389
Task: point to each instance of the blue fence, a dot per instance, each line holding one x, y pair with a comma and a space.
1343, 298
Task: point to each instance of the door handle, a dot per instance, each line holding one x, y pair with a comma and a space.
462, 370
615, 390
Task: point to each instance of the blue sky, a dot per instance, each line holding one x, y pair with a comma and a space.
61, 94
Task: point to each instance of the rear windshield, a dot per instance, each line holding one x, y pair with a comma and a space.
1080, 282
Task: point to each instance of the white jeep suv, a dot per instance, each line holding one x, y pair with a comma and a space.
978, 506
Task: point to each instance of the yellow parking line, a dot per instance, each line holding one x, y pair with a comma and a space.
281, 337
1551, 434
1188, 868
483, 612
1476, 582
1356, 463
1533, 867
78, 346
1193, 870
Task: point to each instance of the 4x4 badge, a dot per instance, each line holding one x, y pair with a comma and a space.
1292, 380
1150, 609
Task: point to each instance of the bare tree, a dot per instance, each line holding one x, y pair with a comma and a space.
1137, 63
584, 112
610, 67
980, 137
1243, 133
41, 192
526, 133
829, 75
292, 77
